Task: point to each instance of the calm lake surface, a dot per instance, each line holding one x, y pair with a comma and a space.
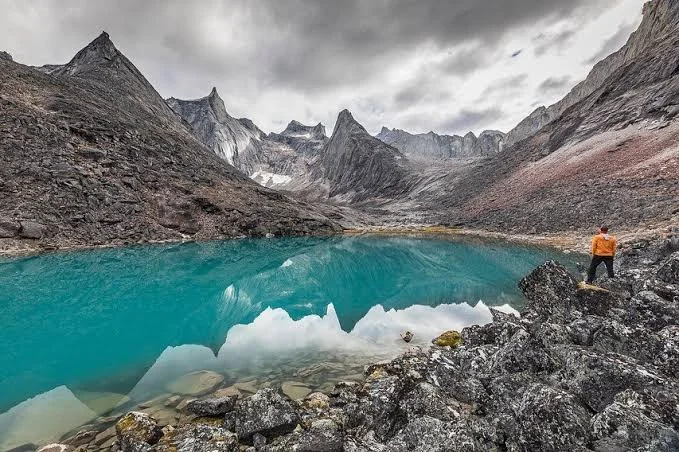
89, 333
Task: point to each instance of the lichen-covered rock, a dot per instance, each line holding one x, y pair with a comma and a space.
323, 435
316, 400
212, 406
198, 438
550, 419
628, 424
669, 270
652, 311
137, 432
596, 377
523, 353
448, 339
551, 291
425, 434
267, 412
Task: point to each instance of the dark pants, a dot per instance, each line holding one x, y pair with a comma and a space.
596, 260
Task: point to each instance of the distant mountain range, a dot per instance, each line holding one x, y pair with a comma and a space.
431, 146
93, 155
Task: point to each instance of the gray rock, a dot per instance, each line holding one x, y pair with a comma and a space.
550, 419
551, 292
627, 424
267, 412
212, 406
198, 438
669, 270
31, 230
8, 228
137, 432
5, 56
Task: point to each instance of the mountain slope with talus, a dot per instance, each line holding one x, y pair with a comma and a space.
92, 155
611, 157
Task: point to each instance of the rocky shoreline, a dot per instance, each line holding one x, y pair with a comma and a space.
583, 368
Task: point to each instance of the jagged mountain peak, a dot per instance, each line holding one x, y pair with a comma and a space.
296, 129
99, 50
5, 56
214, 94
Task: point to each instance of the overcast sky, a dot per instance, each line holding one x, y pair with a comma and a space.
444, 65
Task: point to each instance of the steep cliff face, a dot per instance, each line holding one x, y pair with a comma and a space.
431, 146
92, 155
358, 166
659, 21
231, 139
609, 158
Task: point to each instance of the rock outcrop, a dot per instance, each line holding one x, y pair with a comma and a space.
581, 369
431, 146
92, 155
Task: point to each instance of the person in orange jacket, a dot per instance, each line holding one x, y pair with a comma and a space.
603, 250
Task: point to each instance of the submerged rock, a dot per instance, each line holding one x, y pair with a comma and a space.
212, 406
196, 383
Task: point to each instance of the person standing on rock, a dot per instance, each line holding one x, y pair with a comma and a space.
603, 250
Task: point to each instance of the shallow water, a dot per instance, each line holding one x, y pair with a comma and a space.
130, 321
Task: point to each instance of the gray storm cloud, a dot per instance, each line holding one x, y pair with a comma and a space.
276, 60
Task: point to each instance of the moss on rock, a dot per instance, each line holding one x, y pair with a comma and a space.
448, 339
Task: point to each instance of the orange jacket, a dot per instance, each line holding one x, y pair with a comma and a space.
603, 245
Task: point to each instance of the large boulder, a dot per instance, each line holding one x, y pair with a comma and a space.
597, 377
628, 424
551, 291
8, 228
551, 420
323, 435
651, 311
137, 432
31, 230
267, 412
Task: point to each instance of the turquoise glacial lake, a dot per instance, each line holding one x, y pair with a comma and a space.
88, 334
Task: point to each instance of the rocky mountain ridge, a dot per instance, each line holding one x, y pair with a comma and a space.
660, 18
609, 158
92, 155
431, 146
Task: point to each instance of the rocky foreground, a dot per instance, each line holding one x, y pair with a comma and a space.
584, 368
